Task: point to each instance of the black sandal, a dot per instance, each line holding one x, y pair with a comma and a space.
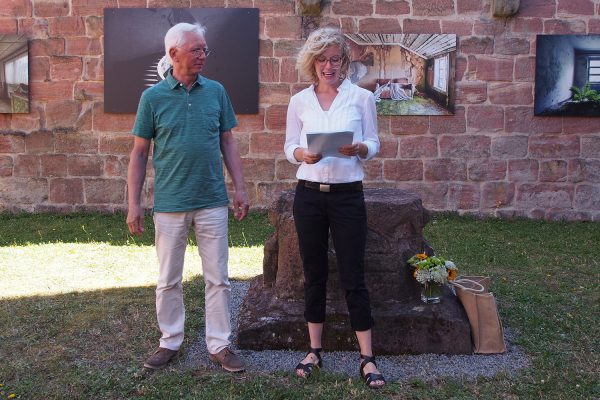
308, 368
371, 376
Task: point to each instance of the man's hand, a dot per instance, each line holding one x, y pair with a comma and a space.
241, 205
135, 220
303, 154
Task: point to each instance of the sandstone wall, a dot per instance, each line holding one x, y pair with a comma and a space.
492, 157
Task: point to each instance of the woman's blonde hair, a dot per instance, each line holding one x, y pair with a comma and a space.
318, 41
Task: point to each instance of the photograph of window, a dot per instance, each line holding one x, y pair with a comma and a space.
134, 52
14, 74
409, 74
567, 75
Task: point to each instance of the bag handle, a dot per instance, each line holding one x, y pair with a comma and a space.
477, 289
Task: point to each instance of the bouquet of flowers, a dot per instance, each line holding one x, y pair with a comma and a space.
432, 269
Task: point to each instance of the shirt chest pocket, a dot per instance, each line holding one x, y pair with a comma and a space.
208, 121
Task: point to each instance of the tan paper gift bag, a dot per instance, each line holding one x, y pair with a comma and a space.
481, 309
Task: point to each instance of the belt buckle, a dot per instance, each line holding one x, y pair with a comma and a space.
324, 188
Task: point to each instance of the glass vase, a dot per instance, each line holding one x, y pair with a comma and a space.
431, 292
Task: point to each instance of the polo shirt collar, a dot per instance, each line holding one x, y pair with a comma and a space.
173, 83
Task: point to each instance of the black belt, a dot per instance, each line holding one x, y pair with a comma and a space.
332, 187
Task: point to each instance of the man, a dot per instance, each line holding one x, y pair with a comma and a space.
189, 118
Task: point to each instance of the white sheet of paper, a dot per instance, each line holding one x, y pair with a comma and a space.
328, 143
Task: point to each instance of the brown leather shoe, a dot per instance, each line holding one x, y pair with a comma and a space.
160, 358
229, 360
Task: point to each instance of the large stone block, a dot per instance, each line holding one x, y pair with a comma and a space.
271, 316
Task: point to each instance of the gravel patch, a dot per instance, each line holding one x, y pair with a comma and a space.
394, 368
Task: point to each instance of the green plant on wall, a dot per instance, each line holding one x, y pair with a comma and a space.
585, 94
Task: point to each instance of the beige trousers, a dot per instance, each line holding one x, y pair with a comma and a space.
172, 230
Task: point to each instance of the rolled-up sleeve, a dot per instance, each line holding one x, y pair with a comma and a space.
293, 130
369, 127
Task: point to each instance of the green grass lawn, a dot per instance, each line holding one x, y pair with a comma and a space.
77, 311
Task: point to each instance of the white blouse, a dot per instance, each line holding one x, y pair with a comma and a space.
353, 109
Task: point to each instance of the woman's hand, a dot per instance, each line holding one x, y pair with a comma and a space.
303, 154
354, 149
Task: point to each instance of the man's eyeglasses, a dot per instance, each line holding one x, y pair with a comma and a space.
334, 61
199, 52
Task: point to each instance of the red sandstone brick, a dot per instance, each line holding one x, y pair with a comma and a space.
96, 7
509, 146
467, 6
433, 194
251, 122
587, 197
104, 191
388, 148
34, 28
489, 27
403, 170
553, 171
15, 8
460, 28
410, 125
83, 46
259, 169
6, 166
392, 7
66, 26
39, 142
274, 93
5, 122
418, 147
575, 171
463, 196
93, 69
240, 3
265, 48
89, 91
283, 27
512, 93
421, 25
51, 8
54, 165
523, 170
449, 123
243, 142
464, 146
111, 122
84, 165
497, 195
444, 169
594, 26
65, 68
486, 170
62, 113
285, 170
268, 69
47, 47
116, 166
76, 143
349, 25
553, 146
384, 123
8, 26
521, 119
525, 69
352, 7
69, 191
94, 26
564, 27
269, 144
485, 118
511, 46
39, 69
590, 146
27, 122
494, 69
199, 3
275, 117
47, 91
587, 170
289, 74
115, 144
477, 45
527, 25
433, 7
575, 7
537, 8
373, 171
378, 25
471, 92
544, 195
275, 6
26, 166
581, 125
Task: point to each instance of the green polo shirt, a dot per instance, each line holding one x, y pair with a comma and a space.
186, 128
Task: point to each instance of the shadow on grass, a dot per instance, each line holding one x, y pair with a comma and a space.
23, 229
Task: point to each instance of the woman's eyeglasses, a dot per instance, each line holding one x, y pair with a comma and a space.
334, 61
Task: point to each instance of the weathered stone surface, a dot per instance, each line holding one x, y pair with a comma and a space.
272, 314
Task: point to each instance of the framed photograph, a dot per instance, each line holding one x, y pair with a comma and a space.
567, 75
409, 74
134, 52
14, 74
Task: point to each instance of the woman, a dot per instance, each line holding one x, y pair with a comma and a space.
329, 195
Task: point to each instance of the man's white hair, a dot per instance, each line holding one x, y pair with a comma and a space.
174, 36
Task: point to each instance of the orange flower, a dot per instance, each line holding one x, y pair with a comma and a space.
422, 256
452, 274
